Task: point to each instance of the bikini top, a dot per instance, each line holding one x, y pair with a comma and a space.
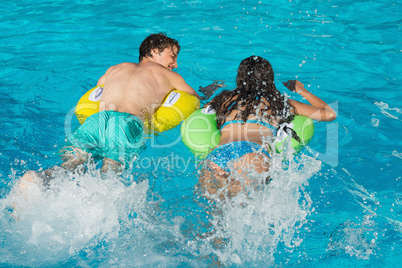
252, 121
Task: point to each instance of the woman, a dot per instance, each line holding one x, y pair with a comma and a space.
246, 116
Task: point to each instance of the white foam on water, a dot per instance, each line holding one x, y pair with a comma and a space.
358, 240
255, 225
73, 216
358, 236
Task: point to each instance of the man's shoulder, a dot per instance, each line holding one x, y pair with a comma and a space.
158, 69
123, 66
127, 64
151, 65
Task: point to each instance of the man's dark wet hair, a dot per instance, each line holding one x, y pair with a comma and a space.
255, 80
159, 41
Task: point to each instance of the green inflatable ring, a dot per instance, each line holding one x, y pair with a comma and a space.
200, 134
300, 130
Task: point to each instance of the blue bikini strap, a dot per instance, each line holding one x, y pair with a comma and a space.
259, 122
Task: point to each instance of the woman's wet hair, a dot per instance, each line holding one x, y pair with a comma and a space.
255, 80
159, 41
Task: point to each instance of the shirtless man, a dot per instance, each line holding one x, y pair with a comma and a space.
131, 93
136, 88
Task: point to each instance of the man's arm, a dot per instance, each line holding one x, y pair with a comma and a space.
179, 84
102, 80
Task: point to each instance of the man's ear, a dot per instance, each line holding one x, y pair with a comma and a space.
155, 52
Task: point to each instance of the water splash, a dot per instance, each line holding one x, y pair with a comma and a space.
75, 212
355, 239
255, 225
89, 218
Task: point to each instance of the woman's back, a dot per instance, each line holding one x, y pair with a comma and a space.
255, 129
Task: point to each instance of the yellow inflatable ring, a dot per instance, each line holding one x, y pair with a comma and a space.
176, 107
88, 104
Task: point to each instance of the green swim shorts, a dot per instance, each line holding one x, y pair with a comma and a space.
115, 135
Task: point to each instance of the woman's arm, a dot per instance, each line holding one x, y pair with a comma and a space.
317, 109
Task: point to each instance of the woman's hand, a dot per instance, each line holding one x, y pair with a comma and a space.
291, 85
209, 90
294, 86
300, 87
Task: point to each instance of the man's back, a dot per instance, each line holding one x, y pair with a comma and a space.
138, 89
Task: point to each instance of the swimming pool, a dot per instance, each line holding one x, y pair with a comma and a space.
336, 204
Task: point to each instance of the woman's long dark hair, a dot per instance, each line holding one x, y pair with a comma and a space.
255, 80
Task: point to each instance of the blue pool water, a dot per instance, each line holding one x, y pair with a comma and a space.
337, 204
